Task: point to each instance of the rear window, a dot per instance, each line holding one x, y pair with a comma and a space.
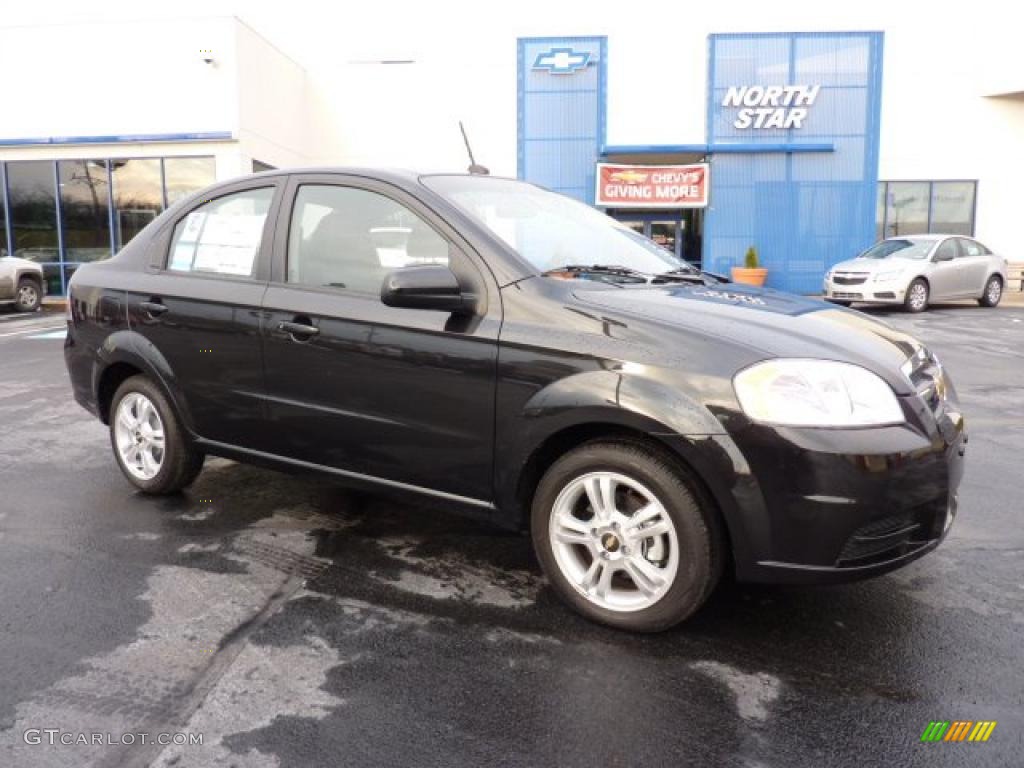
223, 236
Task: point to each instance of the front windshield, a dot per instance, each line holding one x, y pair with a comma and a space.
551, 230
903, 249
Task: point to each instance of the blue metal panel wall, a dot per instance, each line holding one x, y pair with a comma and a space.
803, 211
561, 109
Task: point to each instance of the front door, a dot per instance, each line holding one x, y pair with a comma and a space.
973, 267
944, 276
400, 395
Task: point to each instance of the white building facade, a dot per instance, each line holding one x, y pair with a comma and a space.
912, 127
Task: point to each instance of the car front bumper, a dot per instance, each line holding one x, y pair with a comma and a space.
869, 292
833, 505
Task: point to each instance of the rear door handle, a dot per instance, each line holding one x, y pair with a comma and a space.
298, 329
153, 307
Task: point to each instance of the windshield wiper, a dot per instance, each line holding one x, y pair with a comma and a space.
611, 270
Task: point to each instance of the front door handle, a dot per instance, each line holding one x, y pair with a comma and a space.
298, 329
153, 308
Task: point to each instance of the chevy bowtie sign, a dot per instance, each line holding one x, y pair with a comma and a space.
652, 186
771, 106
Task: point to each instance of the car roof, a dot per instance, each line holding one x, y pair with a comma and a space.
400, 175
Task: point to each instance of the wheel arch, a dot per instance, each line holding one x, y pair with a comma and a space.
575, 436
125, 354
29, 274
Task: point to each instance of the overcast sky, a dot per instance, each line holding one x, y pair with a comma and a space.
322, 32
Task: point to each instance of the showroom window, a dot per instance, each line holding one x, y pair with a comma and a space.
138, 194
63, 213
32, 216
184, 175
918, 207
5, 246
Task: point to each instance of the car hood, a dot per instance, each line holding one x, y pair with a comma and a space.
16, 262
771, 323
871, 266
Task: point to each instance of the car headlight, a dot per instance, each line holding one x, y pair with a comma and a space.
815, 393
892, 274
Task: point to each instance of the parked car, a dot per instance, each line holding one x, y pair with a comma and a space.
21, 284
919, 269
649, 426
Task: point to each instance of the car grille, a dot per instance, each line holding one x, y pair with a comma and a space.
849, 278
893, 536
846, 295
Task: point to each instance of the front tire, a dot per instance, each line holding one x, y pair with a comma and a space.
149, 443
993, 292
916, 299
27, 296
623, 538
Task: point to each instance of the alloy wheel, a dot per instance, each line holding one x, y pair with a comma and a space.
614, 541
994, 292
139, 435
918, 296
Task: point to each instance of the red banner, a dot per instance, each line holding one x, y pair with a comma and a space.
652, 186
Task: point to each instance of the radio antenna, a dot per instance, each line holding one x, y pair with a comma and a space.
478, 170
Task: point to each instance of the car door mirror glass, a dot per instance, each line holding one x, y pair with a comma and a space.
429, 286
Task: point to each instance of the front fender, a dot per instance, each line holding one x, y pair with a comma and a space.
601, 399
632, 400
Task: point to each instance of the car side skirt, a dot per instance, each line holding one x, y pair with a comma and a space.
371, 481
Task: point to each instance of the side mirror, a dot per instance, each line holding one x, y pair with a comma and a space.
942, 256
431, 286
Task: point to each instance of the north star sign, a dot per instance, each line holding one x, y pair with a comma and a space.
771, 106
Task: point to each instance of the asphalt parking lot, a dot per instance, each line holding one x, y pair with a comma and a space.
293, 623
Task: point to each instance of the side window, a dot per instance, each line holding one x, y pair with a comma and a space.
946, 250
223, 236
970, 248
351, 238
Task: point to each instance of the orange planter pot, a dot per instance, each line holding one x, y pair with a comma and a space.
754, 276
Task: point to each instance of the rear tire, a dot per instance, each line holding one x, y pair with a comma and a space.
916, 299
27, 295
644, 575
149, 443
993, 293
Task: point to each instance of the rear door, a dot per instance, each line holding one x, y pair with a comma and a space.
401, 395
974, 264
944, 276
198, 306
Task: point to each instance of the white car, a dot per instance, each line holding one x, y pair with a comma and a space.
918, 269
21, 284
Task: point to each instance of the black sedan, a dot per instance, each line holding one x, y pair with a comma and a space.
499, 347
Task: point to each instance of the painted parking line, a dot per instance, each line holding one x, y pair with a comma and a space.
40, 331
8, 317
58, 334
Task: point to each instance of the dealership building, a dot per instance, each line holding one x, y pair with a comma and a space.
807, 145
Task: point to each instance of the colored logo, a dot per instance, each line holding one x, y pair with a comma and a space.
958, 730
562, 61
628, 177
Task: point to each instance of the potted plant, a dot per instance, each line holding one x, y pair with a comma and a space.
751, 272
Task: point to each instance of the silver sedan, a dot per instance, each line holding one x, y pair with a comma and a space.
918, 269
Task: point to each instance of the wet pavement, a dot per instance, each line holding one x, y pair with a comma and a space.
294, 623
